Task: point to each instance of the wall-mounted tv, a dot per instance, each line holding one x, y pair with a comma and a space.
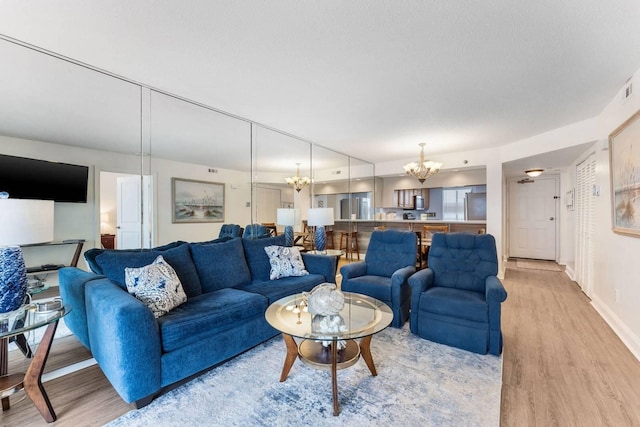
25, 178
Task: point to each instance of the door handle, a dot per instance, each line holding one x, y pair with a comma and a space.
551, 219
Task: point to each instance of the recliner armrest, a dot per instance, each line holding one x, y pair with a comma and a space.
494, 290
355, 269
402, 275
421, 281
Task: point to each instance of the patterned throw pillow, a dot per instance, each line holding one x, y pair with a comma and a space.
285, 262
156, 285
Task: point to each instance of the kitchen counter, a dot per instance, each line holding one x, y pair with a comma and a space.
364, 227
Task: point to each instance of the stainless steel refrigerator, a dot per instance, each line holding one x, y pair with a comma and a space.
360, 206
475, 206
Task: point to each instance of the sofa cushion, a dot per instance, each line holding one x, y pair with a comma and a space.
220, 265
206, 315
459, 303
156, 285
276, 289
378, 287
285, 262
113, 263
91, 254
257, 258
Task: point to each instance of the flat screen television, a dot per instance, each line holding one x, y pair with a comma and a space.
25, 178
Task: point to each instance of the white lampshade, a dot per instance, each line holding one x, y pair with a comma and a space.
287, 216
24, 222
320, 216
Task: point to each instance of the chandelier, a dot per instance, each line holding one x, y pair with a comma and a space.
297, 181
423, 169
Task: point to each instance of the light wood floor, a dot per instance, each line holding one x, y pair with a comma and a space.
562, 366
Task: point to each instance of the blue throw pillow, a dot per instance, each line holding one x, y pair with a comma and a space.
91, 255
112, 264
220, 265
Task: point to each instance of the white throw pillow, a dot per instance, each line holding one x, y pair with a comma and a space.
156, 285
285, 262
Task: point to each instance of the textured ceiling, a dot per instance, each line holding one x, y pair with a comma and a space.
366, 77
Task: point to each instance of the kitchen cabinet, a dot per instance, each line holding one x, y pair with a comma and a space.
404, 198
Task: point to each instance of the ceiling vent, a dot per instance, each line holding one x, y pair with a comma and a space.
627, 90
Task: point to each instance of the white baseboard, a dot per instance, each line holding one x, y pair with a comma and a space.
48, 376
629, 339
569, 272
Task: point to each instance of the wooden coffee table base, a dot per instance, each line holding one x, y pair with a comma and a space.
313, 353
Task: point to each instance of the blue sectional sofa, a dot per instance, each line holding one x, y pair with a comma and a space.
228, 291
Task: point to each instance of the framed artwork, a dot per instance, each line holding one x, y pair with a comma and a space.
624, 164
196, 201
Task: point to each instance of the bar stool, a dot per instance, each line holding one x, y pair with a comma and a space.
349, 243
329, 238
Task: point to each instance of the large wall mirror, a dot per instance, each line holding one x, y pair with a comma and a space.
200, 165
278, 156
56, 111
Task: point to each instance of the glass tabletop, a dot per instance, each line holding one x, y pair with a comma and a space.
27, 318
328, 252
362, 316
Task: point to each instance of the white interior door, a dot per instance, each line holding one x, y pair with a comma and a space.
533, 218
133, 212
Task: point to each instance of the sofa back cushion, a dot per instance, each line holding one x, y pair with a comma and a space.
257, 258
463, 260
91, 255
113, 262
220, 265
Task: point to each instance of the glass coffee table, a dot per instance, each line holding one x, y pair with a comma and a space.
362, 317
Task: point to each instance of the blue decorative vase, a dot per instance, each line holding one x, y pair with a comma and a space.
288, 235
320, 238
13, 279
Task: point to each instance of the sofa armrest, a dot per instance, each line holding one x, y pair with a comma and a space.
321, 264
355, 269
72, 283
419, 282
125, 340
494, 291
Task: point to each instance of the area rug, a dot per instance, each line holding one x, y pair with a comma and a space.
536, 264
419, 383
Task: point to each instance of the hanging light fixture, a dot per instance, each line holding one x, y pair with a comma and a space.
423, 169
534, 172
297, 181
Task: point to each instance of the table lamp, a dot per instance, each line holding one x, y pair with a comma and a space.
22, 222
318, 218
288, 218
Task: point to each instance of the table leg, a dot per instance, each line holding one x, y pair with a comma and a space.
4, 367
292, 354
365, 351
334, 377
33, 378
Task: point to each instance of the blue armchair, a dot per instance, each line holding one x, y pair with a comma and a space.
456, 300
230, 230
389, 262
256, 231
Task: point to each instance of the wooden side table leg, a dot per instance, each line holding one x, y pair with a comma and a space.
292, 354
365, 351
33, 378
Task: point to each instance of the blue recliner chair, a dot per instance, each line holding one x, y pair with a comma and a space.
383, 274
255, 231
230, 230
456, 299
